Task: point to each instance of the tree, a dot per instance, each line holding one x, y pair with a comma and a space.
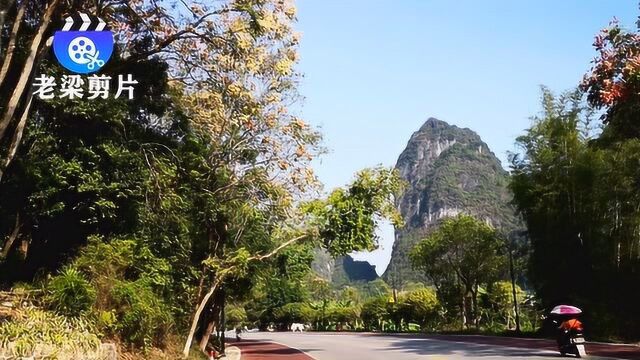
374, 289
612, 84
575, 188
354, 209
236, 316
207, 167
374, 312
500, 296
294, 313
322, 293
421, 306
465, 251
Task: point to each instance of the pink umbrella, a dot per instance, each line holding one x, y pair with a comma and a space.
566, 310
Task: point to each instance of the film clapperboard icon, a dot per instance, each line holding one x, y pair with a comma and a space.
84, 45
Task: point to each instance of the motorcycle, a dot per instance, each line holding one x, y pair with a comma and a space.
570, 336
572, 342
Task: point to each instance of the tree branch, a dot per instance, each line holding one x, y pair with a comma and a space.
20, 87
220, 278
12, 238
12, 43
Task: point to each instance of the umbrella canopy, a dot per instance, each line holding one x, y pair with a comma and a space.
566, 310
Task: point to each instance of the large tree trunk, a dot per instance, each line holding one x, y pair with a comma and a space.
463, 310
196, 319
513, 290
19, 91
17, 138
474, 303
204, 340
217, 236
5, 7
214, 321
12, 238
22, 123
11, 47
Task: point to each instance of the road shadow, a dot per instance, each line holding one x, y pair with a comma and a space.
426, 347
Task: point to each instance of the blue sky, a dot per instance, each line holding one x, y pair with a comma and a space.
376, 70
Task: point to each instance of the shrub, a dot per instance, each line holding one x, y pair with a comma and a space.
70, 293
294, 313
421, 306
143, 318
39, 334
345, 314
236, 316
500, 299
374, 312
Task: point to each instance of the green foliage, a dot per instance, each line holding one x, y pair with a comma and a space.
344, 314
143, 319
374, 312
421, 306
500, 305
577, 192
294, 312
70, 293
347, 220
461, 246
462, 250
374, 289
236, 316
119, 285
42, 334
501, 295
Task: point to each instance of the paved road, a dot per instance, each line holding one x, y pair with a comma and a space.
386, 347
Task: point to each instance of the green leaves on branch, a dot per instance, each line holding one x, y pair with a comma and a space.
235, 264
459, 256
577, 190
345, 222
461, 247
348, 218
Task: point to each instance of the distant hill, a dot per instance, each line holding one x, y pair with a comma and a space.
343, 270
450, 170
347, 270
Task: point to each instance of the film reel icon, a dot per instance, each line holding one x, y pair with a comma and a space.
83, 51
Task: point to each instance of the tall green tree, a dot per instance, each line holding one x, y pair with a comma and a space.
576, 187
552, 184
464, 253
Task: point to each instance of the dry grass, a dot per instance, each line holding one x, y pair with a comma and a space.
172, 351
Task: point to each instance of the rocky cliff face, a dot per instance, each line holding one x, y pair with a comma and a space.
343, 270
449, 171
347, 271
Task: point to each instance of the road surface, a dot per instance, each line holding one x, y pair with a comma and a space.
401, 347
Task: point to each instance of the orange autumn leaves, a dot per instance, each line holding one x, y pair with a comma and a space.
615, 74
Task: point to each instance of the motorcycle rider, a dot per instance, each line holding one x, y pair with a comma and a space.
571, 324
565, 329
